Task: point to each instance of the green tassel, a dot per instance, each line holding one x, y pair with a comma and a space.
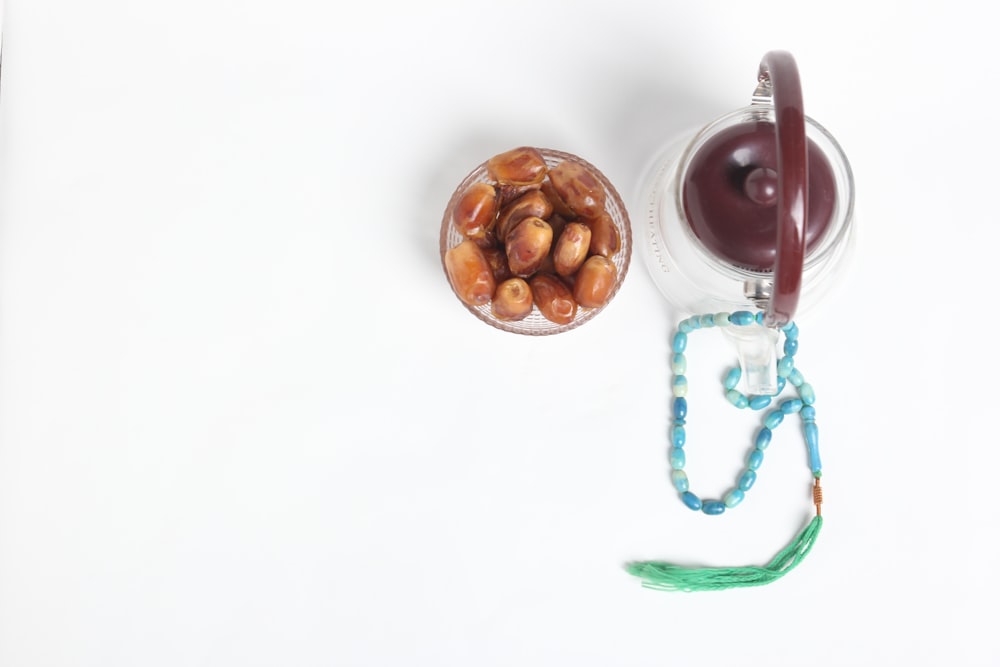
668, 577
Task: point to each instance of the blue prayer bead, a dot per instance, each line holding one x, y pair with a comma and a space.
737, 399
678, 364
795, 377
808, 413
791, 406
791, 331
733, 377
713, 507
678, 436
812, 442
691, 500
755, 459
807, 394
680, 385
763, 438
694, 322
785, 366
721, 319
680, 407
679, 478
812, 434
685, 327
774, 418
759, 318
677, 458
781, 386
760, 402
733, 498
680, 341
791, 346
707, 321
742, 318
746, 480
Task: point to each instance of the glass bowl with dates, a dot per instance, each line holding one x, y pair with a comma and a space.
535, 241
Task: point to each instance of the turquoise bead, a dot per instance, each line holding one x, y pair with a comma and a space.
737, 399
685, 327
733, 377
678, 436
760, 402
680, 341
742, 318
774, 418
680, 480
677, 458
707, 321
691, 500
746, 480
807, 394
713, 507
781, 386
791, 406
694, 322
785, 366
812, 434
733, 498
808, 413
680, 407
721, 319
678, 364
791, 346
680, 386
812, 442
795, 377
763, 438
755, 459
791, 331
760, 317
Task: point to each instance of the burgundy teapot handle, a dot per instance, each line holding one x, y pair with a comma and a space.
790, 131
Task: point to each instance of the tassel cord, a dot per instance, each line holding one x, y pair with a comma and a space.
669, 577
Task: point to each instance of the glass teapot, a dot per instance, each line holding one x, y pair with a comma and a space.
753, 210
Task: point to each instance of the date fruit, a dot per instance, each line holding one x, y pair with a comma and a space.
512, 300
558, 205
497, 259
470, 273
527, 246
531, 204
594, 282
518, 166
554, 300
571, 248
579, 188
604, 239
476, 210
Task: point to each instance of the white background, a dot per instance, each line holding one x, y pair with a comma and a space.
244, 421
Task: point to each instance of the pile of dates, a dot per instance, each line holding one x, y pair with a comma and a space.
533, 236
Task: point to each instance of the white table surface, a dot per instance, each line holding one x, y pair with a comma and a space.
244, 421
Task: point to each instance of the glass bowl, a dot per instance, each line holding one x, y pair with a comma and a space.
535, 324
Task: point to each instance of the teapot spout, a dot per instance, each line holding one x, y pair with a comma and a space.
757, 348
